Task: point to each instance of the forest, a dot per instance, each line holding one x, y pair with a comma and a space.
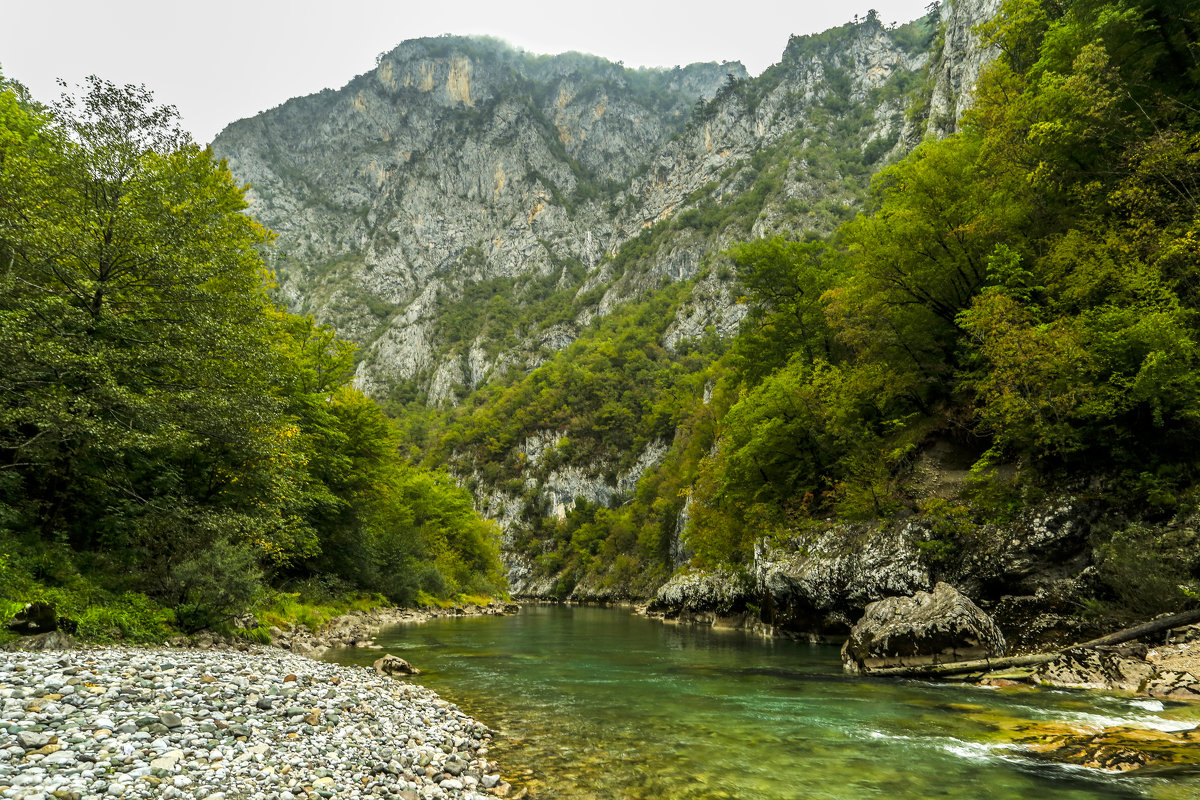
1025, 289
175, 449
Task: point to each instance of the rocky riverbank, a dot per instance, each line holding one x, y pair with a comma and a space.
224, 724
358, 628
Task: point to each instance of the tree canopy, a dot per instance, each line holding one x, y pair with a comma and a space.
161, 423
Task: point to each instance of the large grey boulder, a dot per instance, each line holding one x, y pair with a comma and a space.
926, 628
34, 619
394, 665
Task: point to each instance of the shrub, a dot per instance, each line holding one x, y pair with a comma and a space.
216, 584
1151, 570
133, 617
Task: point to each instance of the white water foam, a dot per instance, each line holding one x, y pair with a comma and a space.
1148, 705
974, 751
1088, 720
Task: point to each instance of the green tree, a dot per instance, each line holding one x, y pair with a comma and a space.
159, 419
784, 282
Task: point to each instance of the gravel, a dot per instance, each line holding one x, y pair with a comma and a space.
223, 724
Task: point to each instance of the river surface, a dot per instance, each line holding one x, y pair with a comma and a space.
595, 703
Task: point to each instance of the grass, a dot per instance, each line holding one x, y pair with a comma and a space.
287, 610
426, 600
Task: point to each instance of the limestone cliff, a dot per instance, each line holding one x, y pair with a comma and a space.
461, 176
461, 161
455, 161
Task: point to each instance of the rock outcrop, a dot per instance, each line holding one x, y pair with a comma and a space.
459, 161
963, 57
1132, 668
718, 599
926, 628
821, 583
34, 619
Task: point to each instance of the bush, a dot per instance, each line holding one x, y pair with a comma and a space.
1151, 570
131, 618
216, 584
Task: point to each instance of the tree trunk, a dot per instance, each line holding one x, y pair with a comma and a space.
993, 664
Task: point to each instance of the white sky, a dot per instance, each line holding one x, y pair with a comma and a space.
220, 60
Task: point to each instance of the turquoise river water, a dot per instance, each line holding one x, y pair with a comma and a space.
597, 703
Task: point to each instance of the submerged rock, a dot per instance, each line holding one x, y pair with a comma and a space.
394, 665
926, 628
1116, 749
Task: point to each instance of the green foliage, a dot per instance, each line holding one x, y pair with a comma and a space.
950, 524
133, 618
164, 432
1030, 280
215, 584
312, 607
808, 436
784, 282
1151, 571
606, 388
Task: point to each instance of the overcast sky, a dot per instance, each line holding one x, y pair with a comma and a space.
220, 60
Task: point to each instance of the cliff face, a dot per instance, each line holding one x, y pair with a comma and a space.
460, 173
460, 161
962, 57
455, 161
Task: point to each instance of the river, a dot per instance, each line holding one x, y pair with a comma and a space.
598, 703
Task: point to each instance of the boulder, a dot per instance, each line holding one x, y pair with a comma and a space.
55, 640
927, 628
1111, 669
33, 619
1173, 685
394, 665
306, 649
723, 593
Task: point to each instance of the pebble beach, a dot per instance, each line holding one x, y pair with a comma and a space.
225, 724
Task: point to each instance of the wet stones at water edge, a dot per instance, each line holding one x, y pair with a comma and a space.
172, 724
357, 628
1129, 668
1118, 749
927, 628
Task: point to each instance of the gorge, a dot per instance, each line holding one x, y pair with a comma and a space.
466, 212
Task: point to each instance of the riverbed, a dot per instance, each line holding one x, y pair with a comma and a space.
597, 703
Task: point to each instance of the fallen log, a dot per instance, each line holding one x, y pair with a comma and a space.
960, 667
993, 664
1153, 626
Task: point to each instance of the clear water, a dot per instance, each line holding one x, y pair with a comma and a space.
598, 703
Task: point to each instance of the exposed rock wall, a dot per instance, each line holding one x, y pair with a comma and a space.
960, 62
455, 160
1025, 573
461, 160
458, 161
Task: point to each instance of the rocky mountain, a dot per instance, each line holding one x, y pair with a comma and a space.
459, 161
465, 211
455, 161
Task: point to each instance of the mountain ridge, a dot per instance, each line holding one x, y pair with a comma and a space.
496, 243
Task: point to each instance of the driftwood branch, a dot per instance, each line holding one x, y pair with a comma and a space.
993, 664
